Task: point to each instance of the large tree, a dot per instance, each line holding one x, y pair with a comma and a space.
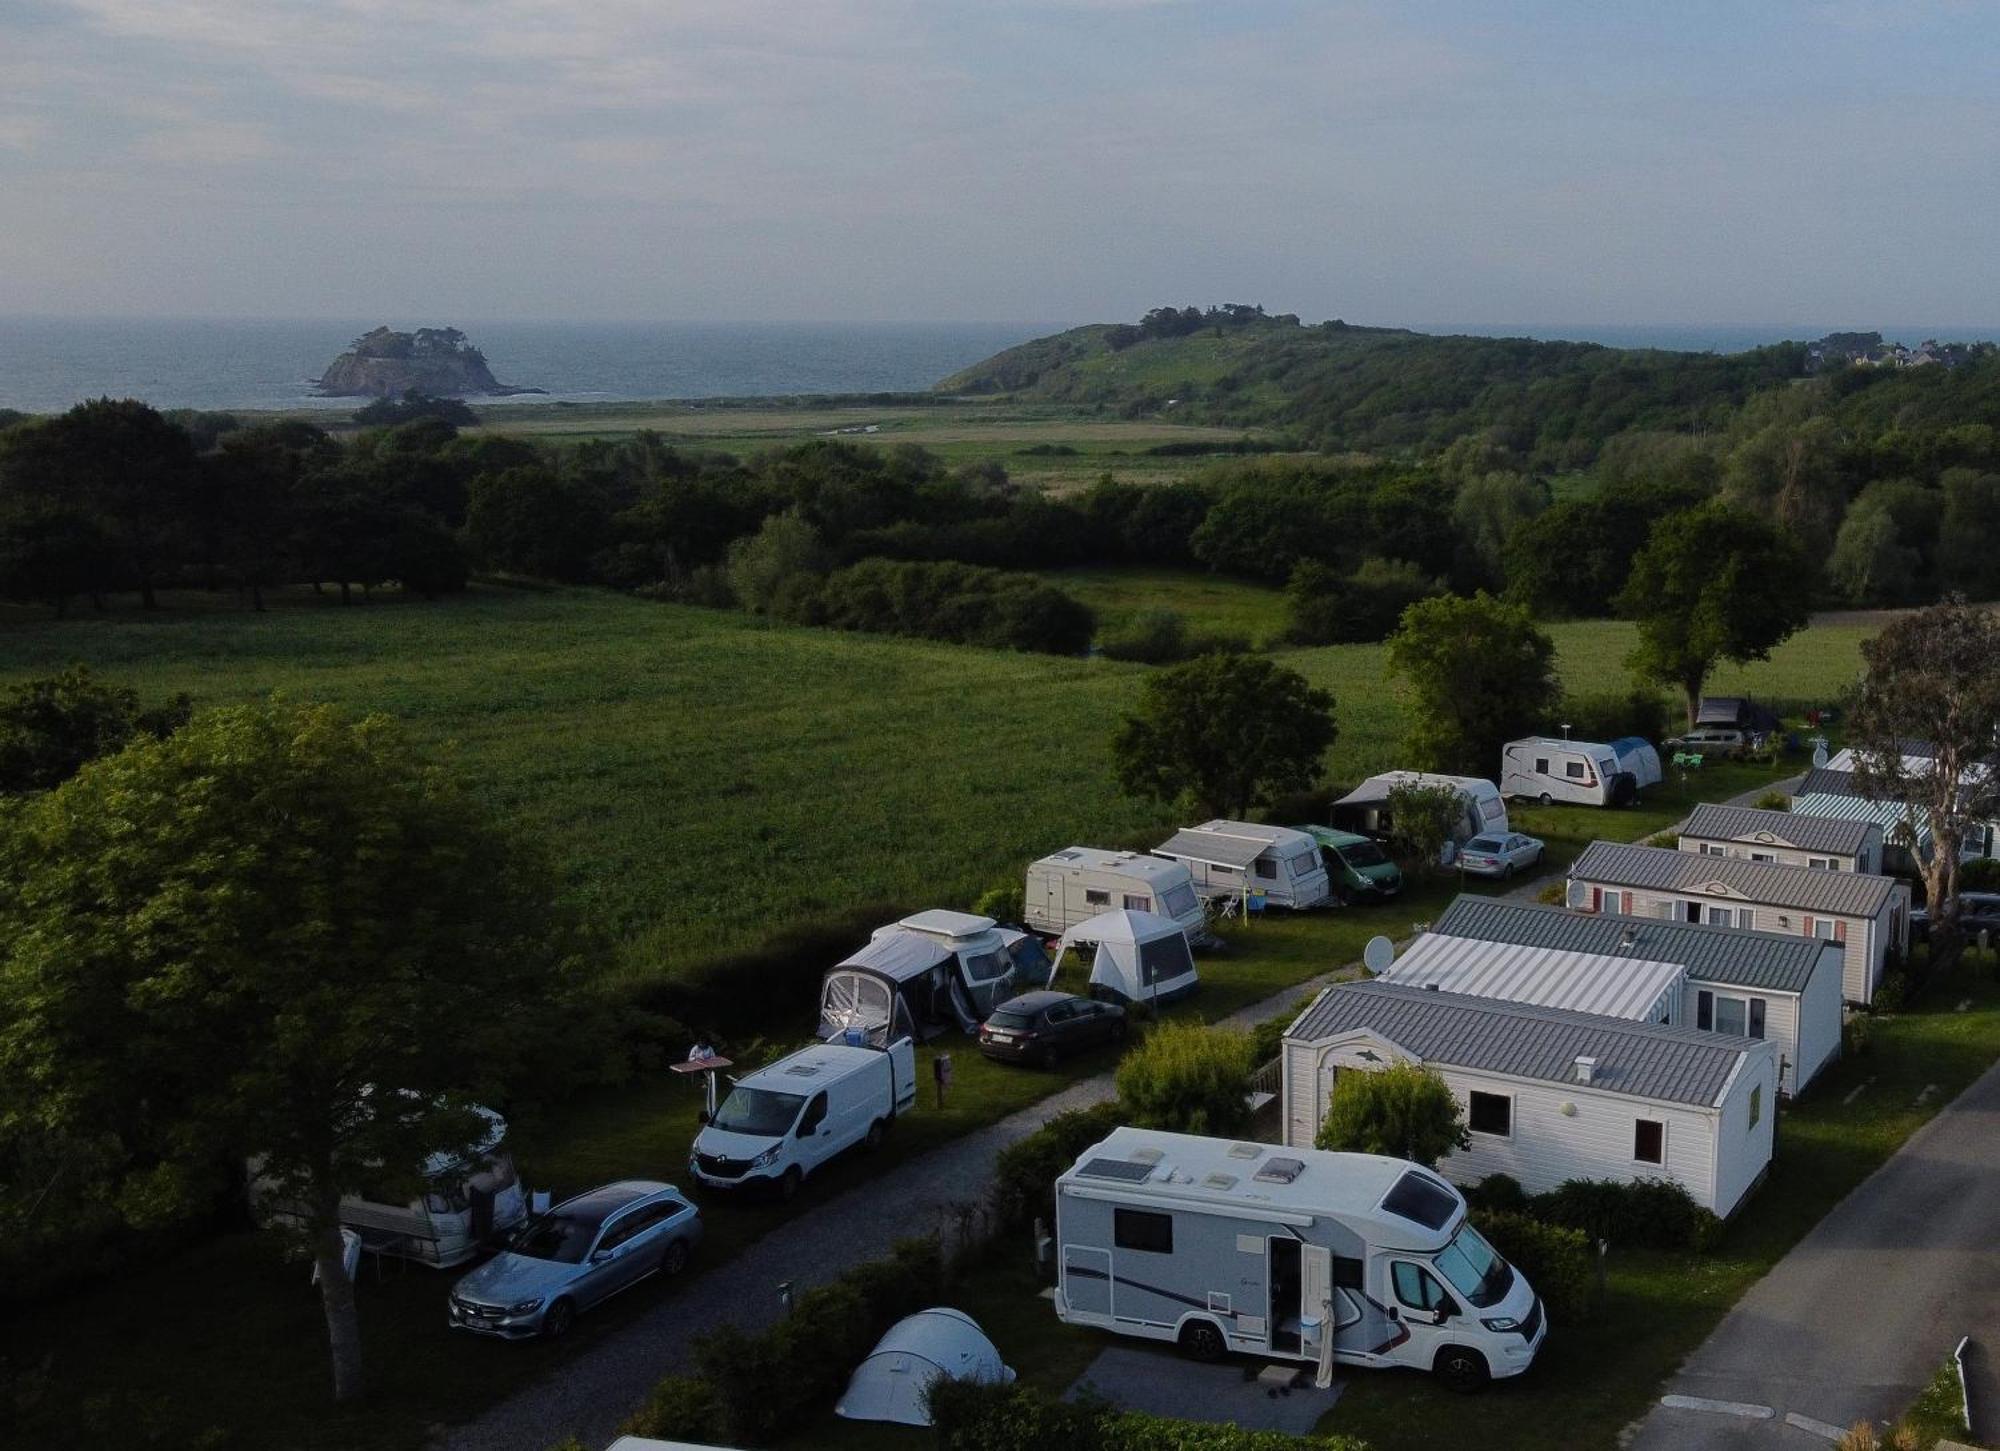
1225, 732
50, 727
1404, 1110
1924, 728
274, 935
1482, 675
1712, 584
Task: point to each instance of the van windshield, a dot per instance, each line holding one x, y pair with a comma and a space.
1362, 854
1475, 1268
758, 1111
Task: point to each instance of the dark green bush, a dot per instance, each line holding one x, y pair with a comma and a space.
1891, 992
1016, 1418
1323, 608
1647, 1213
679, 1408
1560, 1263
1188, 1079
1605, 716
1982, 874
961, 603
1498, 1193
1025, 1173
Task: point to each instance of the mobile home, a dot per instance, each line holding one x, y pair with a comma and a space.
1299, 1255
1784, 990
1588, 982
927, 973
1365, 809
1868, 915
1238, 858
1080, 882
1827, 843
1581, 773
1906, 829
1550, 1094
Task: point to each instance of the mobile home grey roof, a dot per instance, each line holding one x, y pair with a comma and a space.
1803, 889
1625, 986
1892, 816
1825, 781
1771, 961
1519, 1040
1807, 833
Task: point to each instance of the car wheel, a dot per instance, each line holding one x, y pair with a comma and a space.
1507, 871
876, 1131
1202, 1341
1461, 1369
788, 1184
557, 1319
1546, 799
1540, 852
1048, 1058
675, 1259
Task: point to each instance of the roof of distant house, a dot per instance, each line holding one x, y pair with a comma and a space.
1804, 889
1781, 828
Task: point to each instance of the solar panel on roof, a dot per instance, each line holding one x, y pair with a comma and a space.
1123, 1170
1280, 1171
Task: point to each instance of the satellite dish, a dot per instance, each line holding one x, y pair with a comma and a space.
1577, 895
1379, 955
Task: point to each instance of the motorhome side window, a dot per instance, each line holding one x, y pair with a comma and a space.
1137, 1229
1415, 1287
1541, 765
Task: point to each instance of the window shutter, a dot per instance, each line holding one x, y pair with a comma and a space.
1704, 1011
1812, 928
1597, 899
1756, 1017
1839, 931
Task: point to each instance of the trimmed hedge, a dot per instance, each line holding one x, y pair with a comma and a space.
1647, 1213
1024, 1175
1188, 1079
1016, 1418
1557, 1261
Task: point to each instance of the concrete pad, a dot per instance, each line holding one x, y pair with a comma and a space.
1230, 1393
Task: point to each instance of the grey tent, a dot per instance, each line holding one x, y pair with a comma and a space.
892, 1384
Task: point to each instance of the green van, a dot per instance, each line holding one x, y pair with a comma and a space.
1358, 868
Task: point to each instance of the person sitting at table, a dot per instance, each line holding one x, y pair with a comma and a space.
701, 1051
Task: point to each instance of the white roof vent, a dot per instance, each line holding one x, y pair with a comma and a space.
1240, 1150
1586, 1068
1147, 1155
1220, 1181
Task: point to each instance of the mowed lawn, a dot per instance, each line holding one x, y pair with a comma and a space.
703, 779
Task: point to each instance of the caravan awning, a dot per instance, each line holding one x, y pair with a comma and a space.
899, 954
1213, 848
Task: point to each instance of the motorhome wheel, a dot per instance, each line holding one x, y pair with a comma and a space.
1202, 1341
556, 1319
874, 1140
675, 1259
1461, 1369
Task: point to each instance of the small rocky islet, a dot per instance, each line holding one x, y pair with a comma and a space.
439, 361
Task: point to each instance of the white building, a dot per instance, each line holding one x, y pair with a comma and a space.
1868, 915
1550, 1094
1828, 843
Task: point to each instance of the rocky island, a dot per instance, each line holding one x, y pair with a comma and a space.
433, 360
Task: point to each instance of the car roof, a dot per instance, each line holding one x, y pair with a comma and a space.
594, 1206
1034, 1002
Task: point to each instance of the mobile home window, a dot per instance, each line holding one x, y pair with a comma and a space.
1709, 848
1825, 864
1732, 1017
1095, 898
1491, 1113
1762, 856
1649, 1141
1136, 1229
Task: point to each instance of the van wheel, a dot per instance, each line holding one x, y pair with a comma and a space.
557, 1318
788, 1184
675, 1259
874, 1140
1461, 1369
1202, 1341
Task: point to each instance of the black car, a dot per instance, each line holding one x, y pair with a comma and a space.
1044, 1027
1977, 912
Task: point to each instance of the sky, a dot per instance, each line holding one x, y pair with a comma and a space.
1413, 161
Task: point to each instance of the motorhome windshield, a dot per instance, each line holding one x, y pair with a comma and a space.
555, 1237
1474, 1268
758, 1112
1363, 854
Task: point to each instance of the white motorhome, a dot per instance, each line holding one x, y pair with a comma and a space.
783, 1122
1079, 882
1242, 858
1365, 809
1292, 1254
1582, 773
467, 1200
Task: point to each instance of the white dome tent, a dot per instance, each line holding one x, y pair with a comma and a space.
1140, 957
893, 1382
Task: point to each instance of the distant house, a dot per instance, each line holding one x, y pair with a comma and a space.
1784, 989
1832, 791
1830, 844
1869, 915
1550, 1094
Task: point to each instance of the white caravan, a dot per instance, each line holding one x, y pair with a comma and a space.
1238, 858
1365, 809
466, 1201
1079, 882
784, 1121
1292, 1254
1582, 773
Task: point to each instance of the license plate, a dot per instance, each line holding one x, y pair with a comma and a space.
1000, 1037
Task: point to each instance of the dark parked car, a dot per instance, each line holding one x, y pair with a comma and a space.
1045, 1027
1977, 912
582, 1251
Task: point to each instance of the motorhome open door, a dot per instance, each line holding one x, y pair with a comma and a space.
1316, 1299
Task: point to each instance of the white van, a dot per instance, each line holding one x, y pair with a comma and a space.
1582, 773
782, 1122
1287, 1254
1365, 809
1081, 882
1237, 858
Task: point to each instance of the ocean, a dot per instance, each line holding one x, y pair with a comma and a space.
47, 364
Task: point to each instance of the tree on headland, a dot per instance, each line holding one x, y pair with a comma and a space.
1226, 733
1713, 584
274, 935
1404, 1110
1482, 675
1932, 684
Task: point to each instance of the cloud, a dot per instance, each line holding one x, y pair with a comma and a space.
214, 143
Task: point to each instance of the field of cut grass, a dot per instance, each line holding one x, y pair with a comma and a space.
704, 779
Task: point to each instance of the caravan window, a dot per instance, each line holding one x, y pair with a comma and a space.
985, 966
1094, 898
1135, 903
1136, 1229
1164, 959
1177, 901
1267, 869
758, 1112
1573, 770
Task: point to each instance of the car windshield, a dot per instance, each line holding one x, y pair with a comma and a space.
758, 1111
1475, 1268
1363, 854
1007, 1018
1483, 843
555, 1237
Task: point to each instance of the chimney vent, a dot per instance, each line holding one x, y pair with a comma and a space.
1586, 1068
